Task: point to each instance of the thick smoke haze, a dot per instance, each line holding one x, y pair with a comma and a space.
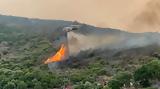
149, 18
130, 15
79, 42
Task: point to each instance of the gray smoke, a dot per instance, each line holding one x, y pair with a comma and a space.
80, 42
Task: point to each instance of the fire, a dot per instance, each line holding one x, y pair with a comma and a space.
59, 56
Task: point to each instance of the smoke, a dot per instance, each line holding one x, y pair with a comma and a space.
80, 42
130, 15
148, 19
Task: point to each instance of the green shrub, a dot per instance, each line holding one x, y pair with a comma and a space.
119, 80
147, 72
115, 84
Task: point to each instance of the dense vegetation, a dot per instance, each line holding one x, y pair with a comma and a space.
22, 54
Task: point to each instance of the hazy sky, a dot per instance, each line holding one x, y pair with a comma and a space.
102, 13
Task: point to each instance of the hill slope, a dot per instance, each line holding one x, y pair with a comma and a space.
26, 43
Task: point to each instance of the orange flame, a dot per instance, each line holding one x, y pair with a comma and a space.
59, 56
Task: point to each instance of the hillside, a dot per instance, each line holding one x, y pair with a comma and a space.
26, 43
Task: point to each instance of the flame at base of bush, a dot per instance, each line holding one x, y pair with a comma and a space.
59, 56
